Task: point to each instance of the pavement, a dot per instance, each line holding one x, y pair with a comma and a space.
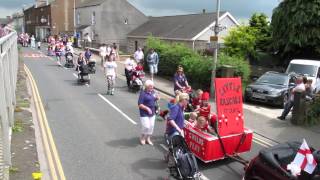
96, 135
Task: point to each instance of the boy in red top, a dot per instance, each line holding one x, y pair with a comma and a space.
203, 126
139, 67
205, 108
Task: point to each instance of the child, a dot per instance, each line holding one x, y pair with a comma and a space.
202, 125
39, 44
193, 118
205, 108
139, 67
110, 72
196, 101
87, 54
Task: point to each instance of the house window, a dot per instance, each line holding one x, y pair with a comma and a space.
126, 21
78, 18
93, 18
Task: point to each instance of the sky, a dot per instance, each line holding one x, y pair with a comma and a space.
240, 9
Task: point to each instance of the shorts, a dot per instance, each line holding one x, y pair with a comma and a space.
153, 68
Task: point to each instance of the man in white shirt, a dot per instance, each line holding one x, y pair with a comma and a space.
300, 87
110, 72
138, 55
103, 53
129, 66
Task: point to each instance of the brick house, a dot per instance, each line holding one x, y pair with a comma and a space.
194, 30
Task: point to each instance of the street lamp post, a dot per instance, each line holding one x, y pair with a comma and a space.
74, 18
215, 52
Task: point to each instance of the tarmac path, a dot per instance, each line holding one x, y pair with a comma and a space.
96, 135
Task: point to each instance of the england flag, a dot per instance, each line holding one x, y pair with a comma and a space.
304, 160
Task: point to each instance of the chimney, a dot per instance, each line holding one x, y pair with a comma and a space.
203, 11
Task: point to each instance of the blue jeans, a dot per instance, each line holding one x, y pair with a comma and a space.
287, 108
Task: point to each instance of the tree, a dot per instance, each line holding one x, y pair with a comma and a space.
259, 21
241, 42
296, 29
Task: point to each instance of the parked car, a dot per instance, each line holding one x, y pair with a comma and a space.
308, 68
271, 163
272, 88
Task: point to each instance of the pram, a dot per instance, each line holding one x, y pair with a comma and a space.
69, 60
83, 72
136, 80
182, 164
92, 67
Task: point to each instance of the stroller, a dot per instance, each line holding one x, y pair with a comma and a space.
182, 164
69, 60
136, 80
92, 67
83, 72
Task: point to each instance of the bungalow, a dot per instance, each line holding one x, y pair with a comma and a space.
194, 30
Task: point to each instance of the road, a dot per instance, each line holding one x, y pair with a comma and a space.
97, 135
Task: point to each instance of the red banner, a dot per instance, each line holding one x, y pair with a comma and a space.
229, 106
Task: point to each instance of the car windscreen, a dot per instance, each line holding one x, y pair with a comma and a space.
274, 79
303, 69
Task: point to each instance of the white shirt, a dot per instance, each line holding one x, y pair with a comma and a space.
138, 55
110, 68
129, 64
103, 51
108, 50
299, 88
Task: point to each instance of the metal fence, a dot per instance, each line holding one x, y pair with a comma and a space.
8, 79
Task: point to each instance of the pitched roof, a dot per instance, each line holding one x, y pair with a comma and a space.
88, 3
175, 27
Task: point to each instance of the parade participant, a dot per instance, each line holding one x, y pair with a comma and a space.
81, 61
87, 55
103, 53
193, 118
129, 66
110, 73
205, 108
147, 107
196, 100
153, 61
58, 51
180, 80
139, 56
33, 42
203, 126
114, 51
175, 123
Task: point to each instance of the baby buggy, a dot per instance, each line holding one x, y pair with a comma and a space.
69, 60
136, 80
182, 164
83, 75
92, 67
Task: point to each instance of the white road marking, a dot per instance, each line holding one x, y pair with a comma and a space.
164, 147
117, 109
75, 75
203, 177
87, 85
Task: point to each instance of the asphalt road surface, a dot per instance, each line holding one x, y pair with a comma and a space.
97, 135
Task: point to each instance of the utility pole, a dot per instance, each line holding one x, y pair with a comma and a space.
215, 51
74, 18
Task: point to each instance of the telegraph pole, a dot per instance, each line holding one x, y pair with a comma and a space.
215, 40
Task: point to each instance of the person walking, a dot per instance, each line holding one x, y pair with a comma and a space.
147, 107
129, 66
103, 53
110, 73
139, 56
153, 61
300, 87
33, 42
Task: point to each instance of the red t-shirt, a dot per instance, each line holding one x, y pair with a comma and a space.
196, 102
205, 111
139, 68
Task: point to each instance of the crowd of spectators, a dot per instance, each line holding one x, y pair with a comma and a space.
4, 30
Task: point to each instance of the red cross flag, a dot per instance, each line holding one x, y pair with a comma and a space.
304, 159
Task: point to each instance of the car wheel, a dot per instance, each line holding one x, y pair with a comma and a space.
285, 100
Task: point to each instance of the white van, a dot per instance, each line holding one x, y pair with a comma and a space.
309, 68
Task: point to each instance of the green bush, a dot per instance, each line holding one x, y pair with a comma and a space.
197, 68
313, 112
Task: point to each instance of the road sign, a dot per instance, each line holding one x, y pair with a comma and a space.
213, 38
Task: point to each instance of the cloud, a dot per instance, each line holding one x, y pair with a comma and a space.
241, 9
4, 12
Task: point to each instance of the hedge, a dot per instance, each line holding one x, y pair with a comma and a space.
197, 67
